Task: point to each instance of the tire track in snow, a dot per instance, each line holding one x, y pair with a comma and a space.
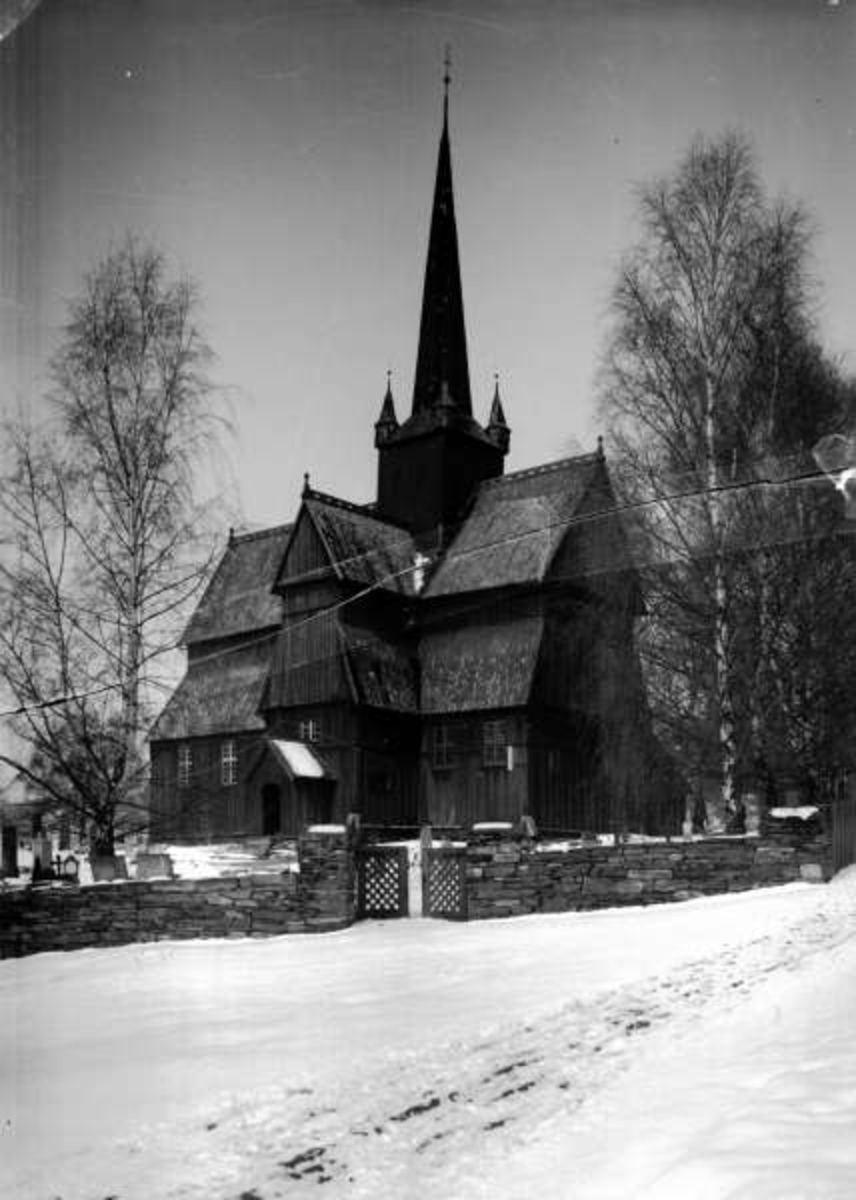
484, 1096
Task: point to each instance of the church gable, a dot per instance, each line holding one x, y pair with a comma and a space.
361, 548
335, 539
305, 557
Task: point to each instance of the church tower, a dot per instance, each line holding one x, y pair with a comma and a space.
430, 465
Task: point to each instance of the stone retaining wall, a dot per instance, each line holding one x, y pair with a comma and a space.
506, 875
509, 875
65, 917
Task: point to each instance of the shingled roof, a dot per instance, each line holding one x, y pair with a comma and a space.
480, 667
220, 694
238, 598
514, 527
362, 548
383, 673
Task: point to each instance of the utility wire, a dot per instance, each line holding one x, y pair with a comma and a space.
506, 540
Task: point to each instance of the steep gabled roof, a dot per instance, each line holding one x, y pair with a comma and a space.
238, 597
480, 666
359, 546
514, 527
220, 694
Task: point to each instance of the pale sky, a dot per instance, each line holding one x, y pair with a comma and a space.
283, 154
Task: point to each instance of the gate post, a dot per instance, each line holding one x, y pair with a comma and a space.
326, 879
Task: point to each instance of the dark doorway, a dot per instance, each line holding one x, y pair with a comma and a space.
271, 810
10, 850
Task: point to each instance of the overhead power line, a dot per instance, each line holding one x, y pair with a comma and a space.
452, 556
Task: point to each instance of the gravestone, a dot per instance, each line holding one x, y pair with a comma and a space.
107, 867
154, 866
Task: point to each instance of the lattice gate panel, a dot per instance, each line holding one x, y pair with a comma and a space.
382, 881
445, 884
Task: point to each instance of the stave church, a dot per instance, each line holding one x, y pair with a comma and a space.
460, 650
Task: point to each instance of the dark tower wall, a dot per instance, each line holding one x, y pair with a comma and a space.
426, 481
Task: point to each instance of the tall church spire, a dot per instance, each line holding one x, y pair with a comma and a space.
430, 465
442, 372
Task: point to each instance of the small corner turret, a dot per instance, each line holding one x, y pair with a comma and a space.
387, 423
497, 427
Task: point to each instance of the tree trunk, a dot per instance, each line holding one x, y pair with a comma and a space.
724, 713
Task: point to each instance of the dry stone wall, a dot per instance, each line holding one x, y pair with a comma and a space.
509, 875
65, 917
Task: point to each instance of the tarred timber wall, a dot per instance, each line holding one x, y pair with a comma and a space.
319, 898
509, 876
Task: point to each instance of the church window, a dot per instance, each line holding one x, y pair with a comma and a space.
310, 730
185, 764
441, 747
228, 764
494, 744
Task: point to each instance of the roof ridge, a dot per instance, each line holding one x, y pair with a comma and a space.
336, 501
363, 510
255, 535
541, 469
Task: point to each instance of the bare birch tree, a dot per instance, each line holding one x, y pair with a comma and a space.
712, 329
107, 543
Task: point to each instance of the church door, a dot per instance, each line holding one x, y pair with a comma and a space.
271, 810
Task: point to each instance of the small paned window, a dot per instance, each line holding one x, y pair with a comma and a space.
228, 764
494, 744
310, 730
441, 747
185, 765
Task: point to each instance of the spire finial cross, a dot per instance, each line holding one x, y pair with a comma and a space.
447, 73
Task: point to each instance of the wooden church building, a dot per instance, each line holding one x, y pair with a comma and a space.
460, 650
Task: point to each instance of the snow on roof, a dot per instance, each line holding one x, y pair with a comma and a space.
803, 813
299, 760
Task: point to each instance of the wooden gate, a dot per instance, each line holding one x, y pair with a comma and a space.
444, 882
382, 881
844, 825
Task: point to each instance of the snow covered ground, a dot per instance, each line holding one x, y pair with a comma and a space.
705, 1049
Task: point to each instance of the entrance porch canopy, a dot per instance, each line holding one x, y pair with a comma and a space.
298, 759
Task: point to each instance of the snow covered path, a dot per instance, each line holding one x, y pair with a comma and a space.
554, 1056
